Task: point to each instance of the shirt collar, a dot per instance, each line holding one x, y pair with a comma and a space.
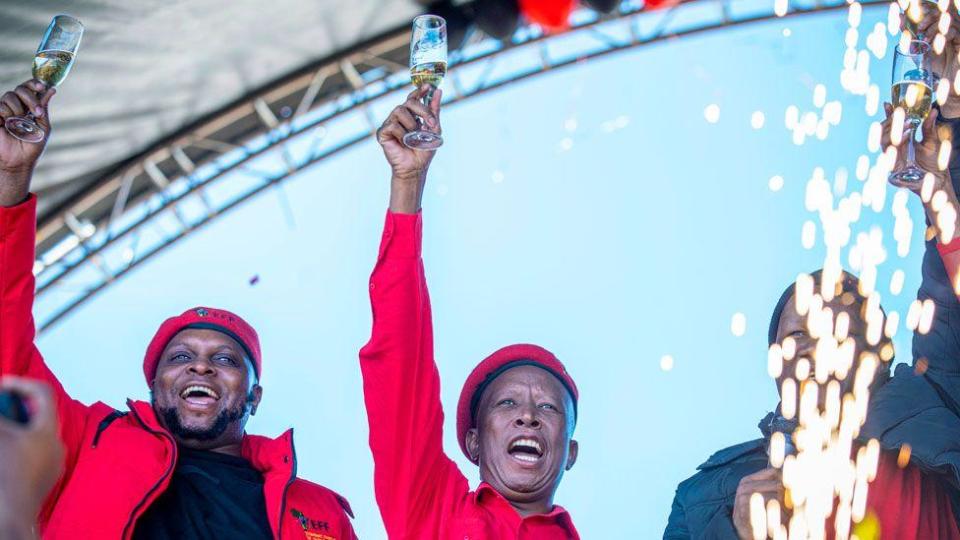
489, 497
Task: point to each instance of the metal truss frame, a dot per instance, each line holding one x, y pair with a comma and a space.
157, 198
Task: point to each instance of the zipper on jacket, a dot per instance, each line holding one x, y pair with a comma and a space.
136, 509
293, 477
104, 424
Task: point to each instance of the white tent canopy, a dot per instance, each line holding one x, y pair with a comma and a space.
148, 68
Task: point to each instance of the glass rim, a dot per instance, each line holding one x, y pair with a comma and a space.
420, 20
68, 17
924, 47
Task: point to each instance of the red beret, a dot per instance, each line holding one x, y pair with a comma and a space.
206, 319
492, 367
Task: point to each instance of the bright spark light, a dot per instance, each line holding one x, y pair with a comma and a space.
775, 183
896, 125
854, 14
809, 234
943, 91
780, 7
666, 362
791, 116
863, 165
757, 119
873, 139
738, 324
712, 113
939, 42
943, 25
943, 156
775, 360
893, 19
819, 96
896, 282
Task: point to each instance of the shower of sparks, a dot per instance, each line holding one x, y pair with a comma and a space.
826, 480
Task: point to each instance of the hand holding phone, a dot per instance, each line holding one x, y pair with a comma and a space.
13, 408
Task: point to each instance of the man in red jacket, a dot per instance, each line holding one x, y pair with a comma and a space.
180, 466
516, 413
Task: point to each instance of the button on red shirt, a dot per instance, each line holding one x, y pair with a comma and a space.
420, 490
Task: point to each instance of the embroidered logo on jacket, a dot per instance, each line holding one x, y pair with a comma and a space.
311, 525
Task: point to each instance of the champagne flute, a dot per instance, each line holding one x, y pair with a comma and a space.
912, 92
51, 64
428, 65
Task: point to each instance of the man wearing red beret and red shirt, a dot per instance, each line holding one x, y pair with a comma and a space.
181, 466
516, 414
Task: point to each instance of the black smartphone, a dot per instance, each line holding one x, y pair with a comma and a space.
13, 408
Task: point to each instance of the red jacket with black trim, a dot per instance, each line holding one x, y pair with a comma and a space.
118, 463
420, 491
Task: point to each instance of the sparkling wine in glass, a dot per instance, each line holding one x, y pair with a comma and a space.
51, 64
428, 65
913, 92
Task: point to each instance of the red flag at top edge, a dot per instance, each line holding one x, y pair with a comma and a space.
657, 4
550, 14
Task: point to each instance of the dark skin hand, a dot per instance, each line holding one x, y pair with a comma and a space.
769, 484
926, 155
216, 362
524, 405
18, 158
945, 64
408, 166
32, 458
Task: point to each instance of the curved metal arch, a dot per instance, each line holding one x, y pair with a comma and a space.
158, 200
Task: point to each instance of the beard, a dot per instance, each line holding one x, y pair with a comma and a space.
220, 424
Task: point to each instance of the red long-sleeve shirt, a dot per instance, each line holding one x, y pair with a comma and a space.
950, 255
420, 490
908, 504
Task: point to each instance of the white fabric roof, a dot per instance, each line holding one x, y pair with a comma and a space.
149, 67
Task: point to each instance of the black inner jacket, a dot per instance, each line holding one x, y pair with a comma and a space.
211, 495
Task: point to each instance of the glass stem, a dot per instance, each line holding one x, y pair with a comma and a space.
426, 100
911, 149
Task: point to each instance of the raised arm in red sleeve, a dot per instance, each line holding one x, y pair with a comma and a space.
416, 484
18, 354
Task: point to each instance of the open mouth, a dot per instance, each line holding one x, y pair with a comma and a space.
526, 449
199, 395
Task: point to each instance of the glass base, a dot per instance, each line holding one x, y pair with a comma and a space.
423, 140
910, 177
24, 129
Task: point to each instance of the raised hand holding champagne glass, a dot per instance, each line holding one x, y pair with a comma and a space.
913, 93
428, 65
52, 63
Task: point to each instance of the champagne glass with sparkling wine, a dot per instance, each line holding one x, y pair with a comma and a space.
428, 65
912, 92
51, 64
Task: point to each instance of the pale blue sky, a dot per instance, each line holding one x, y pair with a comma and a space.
632, 244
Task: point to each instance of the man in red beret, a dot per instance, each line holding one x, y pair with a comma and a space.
180, 466
516, 414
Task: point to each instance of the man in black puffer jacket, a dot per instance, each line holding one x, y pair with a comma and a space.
714, 503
